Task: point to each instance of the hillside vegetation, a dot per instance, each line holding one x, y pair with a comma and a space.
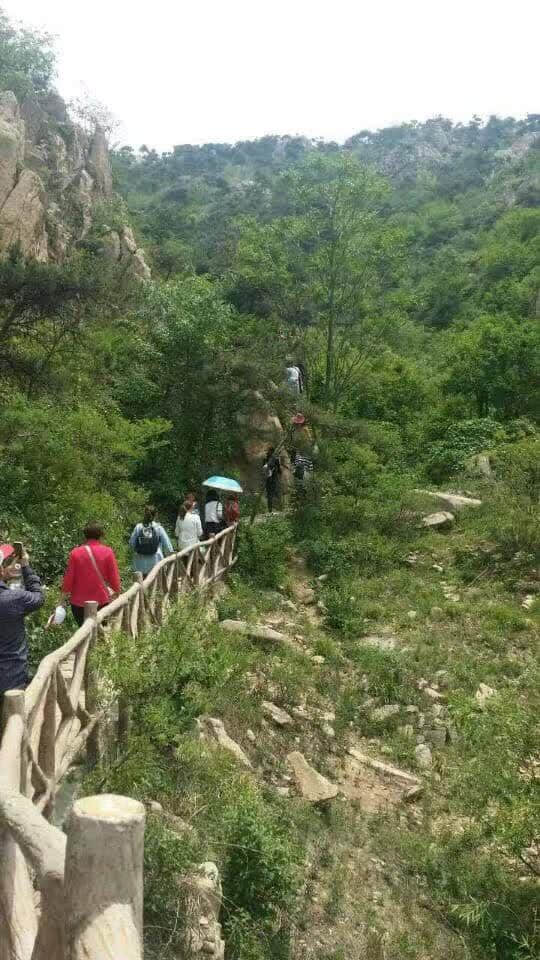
403, 270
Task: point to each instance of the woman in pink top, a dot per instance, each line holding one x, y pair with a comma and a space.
91, 574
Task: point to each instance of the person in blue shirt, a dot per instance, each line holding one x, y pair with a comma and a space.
149, 542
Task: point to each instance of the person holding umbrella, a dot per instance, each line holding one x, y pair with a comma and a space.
213, 510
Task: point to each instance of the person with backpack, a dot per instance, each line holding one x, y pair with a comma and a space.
149, 542
271, 474
91, 573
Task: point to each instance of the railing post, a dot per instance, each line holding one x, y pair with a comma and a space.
90, 686
47, 743
104, 879
141, 613
18, 919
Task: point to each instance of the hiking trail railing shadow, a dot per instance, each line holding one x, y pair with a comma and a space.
89, 903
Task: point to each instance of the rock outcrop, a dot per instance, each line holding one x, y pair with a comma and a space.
53, 177
202, 929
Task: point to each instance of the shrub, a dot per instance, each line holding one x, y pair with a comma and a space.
263, 551
461, 441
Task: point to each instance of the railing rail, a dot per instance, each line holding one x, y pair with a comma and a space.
45, 727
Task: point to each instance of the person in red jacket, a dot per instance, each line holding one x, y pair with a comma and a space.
91, 574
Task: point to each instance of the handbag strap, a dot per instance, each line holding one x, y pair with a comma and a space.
96, 568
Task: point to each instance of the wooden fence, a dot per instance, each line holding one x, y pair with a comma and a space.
98, 914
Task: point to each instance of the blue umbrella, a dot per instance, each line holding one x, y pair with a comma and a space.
223, 483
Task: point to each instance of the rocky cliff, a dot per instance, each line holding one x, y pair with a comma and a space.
53, 177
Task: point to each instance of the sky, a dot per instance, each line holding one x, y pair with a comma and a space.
224, 70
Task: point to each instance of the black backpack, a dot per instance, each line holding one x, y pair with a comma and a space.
147, 540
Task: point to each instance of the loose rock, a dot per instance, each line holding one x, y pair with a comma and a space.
280, 717
384, 712
483, 694
211, 728
423, 756
311, 784
441, 520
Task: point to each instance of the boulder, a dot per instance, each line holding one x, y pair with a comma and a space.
311, 784
441, 520
22, 218
280, 717
480, 466
254, 631
212, 729
98, 163
11, 144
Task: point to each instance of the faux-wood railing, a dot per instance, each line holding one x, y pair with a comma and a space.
44, 728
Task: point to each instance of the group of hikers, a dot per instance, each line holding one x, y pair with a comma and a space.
92, 574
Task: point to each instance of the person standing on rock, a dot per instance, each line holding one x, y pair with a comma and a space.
91, 573
271, 474
15, 604
149, 542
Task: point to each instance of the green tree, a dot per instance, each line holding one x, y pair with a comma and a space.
331, 260
27, 59
495, 363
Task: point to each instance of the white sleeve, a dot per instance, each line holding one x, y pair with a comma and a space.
198, 526
219, 511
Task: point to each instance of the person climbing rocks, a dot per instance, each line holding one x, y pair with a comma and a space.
232, 510
271, 474
16, 603
91, 573
213, 514
188, 529
149, 542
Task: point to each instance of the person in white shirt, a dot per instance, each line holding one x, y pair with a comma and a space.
213, 514
293, 379
188, 529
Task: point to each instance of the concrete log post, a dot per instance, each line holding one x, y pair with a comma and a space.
91, 705
141, 613
104, 879
18, 919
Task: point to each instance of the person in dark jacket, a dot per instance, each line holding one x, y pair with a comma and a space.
272, 474
16, 602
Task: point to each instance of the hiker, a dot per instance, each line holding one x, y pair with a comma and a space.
232, 509
213, 514
294, 379
15, 604
149, 542
91, 573
271, 473
192, 499
302, 466
188, 529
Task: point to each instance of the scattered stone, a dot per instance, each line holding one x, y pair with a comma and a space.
483, 694
328, 730
411, 560
423, 756
385, 769
304, 594
283, 791
317, 659
250, 735
154, 806
438, 568
300, 712
321, 607
385, 712
380, 642
528, 601
412, 614
413, 794
311, 784
323, 578
441, 520
211, 728
411, 708
280, 717
433, 694
452, 501
289, 605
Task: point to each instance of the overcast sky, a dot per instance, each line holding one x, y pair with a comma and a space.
226, 70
